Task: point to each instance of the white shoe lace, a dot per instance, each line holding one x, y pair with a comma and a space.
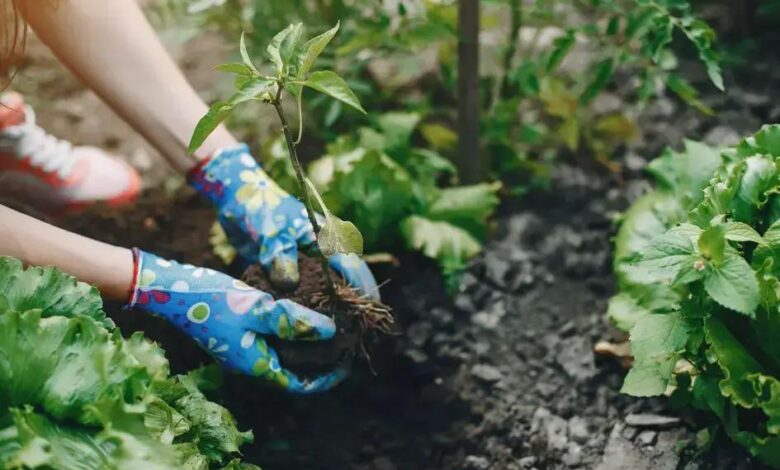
50, 154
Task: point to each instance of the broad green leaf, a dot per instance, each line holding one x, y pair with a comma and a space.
741, 232
48, 289
329, 83
467, 207
649, 378
657, 340
254, 88
649, 217
735, 362
397, 128
712, 244
339, 236
449, 245
624, 311
764, 142
686, 173
760, 176
245, 55
733, 284
313, 48
336, 235
666, 257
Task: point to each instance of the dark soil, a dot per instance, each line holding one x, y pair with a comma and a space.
502, 376
313, 357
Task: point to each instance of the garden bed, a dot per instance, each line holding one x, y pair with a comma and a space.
500, 376
503, 378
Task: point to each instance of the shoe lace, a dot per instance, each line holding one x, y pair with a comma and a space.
50, 154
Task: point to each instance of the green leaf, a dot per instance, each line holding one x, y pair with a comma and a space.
50, 290
656, 343
733, 284
686, 173
624, 311
252, 89
687, 93
449, 245
314, 48
712, 244
764, 142
741, 232
649, 217
329, 83
339, 236
601, 77
667, 256
274, 48
561, 47
439, 137
235, 68
336, 236
397, 128
467, 207
245, 56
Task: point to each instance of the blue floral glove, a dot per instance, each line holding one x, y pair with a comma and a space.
263, 222
227, 318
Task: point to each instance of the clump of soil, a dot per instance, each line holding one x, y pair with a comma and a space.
355, 316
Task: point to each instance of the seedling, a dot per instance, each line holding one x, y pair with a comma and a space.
292, 64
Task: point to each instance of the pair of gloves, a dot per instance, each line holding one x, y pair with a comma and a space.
224, 315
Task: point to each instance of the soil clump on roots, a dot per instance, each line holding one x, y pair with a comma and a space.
357, 318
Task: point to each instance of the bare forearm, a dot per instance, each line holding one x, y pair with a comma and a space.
114, 50
108, 267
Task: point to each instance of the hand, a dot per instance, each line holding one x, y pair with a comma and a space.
226, 317
264, 223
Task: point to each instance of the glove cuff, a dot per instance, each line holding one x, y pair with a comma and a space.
208, 176
132, 293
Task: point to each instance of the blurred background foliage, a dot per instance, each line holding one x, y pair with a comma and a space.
545, 66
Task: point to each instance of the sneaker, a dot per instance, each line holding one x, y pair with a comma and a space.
52, 175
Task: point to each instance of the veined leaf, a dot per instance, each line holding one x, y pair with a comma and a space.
313, 48
449, 245
245, 55
331, 84
274, 48
336, 236
733, 284
251, 89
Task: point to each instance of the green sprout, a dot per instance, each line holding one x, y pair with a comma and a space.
292, 63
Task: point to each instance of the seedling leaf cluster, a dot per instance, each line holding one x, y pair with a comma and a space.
697, 261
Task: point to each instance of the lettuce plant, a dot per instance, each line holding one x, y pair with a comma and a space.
699, 263
75, 394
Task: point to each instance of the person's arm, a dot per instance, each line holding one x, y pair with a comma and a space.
113, 49
108, 267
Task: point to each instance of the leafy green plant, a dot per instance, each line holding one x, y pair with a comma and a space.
393, 191
75, 394
291, 70
711, 338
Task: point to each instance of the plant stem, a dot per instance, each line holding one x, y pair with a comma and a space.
291, 148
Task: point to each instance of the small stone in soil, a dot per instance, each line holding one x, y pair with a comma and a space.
646, 438
647, 420
486, 373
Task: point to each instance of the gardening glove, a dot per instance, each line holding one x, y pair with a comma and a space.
227, 318
264, 223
